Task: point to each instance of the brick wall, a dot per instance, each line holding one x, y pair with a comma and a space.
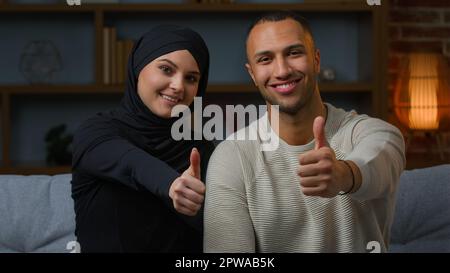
417, 25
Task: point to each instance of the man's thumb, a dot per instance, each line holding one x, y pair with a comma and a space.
319, 132
195, 163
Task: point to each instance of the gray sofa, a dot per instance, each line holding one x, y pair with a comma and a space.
36, 213
422, 214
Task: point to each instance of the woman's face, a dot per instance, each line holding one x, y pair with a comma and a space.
169, 80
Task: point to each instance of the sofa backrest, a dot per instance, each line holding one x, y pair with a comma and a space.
36, 213
422, 215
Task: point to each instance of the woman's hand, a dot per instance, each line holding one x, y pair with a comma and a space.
187, 191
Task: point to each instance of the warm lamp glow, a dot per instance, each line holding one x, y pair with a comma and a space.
422, 100
423, 92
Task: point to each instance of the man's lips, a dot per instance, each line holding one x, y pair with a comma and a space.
285, 87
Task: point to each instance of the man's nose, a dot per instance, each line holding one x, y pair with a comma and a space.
282, 69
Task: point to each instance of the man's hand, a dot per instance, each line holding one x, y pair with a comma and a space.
187, 191
321, 174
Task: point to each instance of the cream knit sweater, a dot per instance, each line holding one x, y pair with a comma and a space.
254, 202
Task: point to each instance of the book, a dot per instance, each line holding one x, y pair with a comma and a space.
113, 55
106, 56
120, 68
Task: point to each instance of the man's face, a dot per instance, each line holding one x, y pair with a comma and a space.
283, 63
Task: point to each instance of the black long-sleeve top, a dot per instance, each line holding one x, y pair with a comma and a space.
122, 202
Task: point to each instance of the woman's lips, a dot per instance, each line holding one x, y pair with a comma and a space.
169, 99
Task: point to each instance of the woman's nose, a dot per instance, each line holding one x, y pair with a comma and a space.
177, 84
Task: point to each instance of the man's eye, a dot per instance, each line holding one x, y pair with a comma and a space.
263, 59
165, 69
295, 53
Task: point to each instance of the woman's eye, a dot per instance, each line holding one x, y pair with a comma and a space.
165, 69
192, 79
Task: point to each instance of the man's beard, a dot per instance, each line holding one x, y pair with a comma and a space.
291, 109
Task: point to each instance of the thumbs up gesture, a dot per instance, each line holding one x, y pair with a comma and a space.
319, 133
194, 168
321, 174
188, 191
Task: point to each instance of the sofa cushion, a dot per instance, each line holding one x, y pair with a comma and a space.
422, 215
37, 213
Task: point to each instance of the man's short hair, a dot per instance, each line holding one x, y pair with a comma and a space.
281, 15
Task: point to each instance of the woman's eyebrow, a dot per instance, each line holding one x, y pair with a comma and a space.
169, 61
172, 63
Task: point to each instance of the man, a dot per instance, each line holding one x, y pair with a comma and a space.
330, 185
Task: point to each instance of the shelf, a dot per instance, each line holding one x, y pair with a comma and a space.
424, 160
345, 87
24, 170
212, 88
43, 8
60, 89
187, 7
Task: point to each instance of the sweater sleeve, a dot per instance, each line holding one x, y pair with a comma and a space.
120, 161
379, 152
227, 223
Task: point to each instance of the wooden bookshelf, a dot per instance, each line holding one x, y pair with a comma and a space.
35, 169
375, 90
424, 160
118, 89
189, 7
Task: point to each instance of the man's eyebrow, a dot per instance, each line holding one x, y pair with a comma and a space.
266, 52
172, 63
296, 46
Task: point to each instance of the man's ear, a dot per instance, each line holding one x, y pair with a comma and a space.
317, 61
250, 71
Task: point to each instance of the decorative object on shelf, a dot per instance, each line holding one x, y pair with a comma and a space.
327, 74
422, 96
58, 146
39, 61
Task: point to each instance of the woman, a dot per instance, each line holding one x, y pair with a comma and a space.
135, 188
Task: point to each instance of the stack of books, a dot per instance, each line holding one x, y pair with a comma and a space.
115, 57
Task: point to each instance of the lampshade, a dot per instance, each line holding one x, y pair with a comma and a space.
422, 92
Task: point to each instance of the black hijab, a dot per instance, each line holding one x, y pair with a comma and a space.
132, 120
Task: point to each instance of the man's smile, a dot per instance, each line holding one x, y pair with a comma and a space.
285, 87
